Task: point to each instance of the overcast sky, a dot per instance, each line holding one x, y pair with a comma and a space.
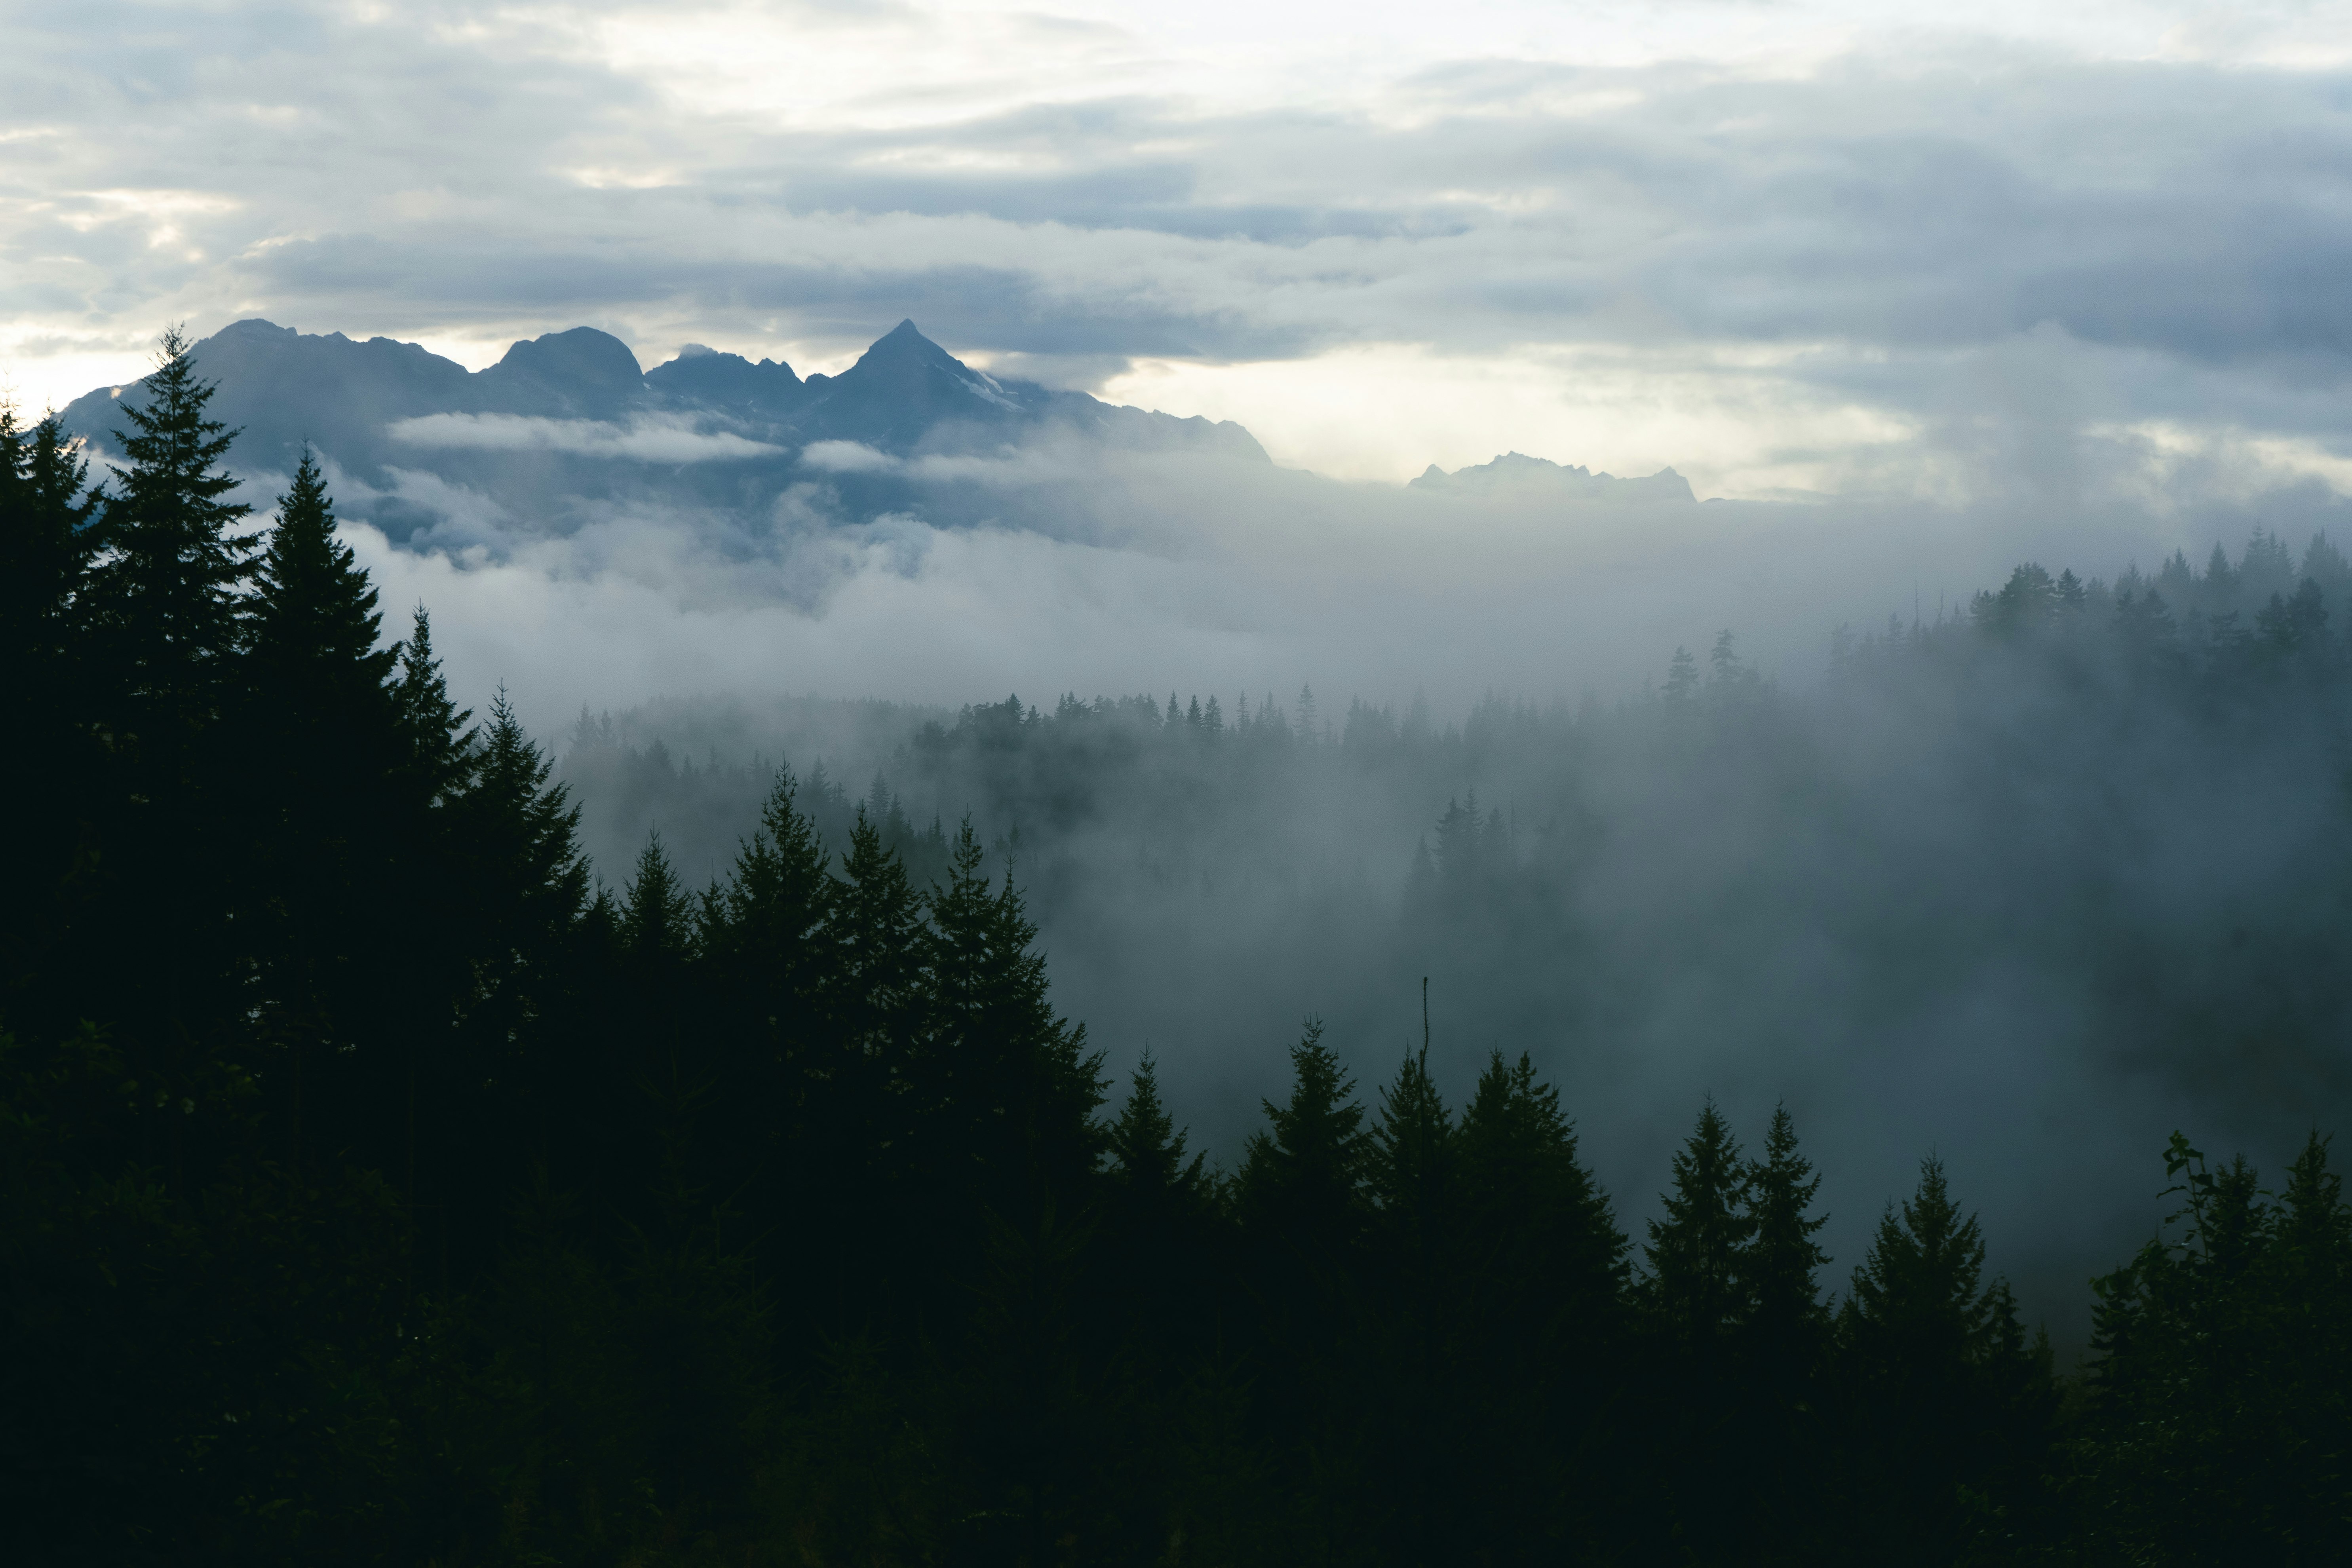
1860, 249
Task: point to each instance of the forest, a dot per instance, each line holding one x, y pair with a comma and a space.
2033, 881
382, 1186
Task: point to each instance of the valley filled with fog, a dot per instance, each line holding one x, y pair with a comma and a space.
1934, 873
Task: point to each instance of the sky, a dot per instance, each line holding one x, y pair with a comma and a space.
1929, 252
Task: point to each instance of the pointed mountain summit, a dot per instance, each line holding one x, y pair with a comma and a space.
903, 387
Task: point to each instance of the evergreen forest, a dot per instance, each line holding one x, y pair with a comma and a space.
381, 1187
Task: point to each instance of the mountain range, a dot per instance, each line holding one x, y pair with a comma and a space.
570, 425
1516, 473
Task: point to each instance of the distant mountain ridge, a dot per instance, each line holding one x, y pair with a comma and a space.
1518, 472
568, 429
282, 388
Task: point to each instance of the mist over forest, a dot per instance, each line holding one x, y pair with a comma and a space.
1858, 806
1076, 784
1124, 1128
2030, 886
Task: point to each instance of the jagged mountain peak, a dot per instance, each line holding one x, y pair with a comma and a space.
368, 407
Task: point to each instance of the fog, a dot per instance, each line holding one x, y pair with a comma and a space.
2008, 905
1988, 877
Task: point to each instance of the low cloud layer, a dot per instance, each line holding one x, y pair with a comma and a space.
648, 440
1063, 566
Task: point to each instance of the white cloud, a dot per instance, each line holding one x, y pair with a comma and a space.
1123, 571
846, 458
648, 439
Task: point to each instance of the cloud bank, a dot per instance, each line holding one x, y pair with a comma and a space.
650, 440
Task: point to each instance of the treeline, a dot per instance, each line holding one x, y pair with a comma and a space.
2244, 643
380, 1189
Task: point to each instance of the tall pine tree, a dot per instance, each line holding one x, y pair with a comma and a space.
46, 541
163, 624
1696, 1292
322, 752
1946, 1405
1542, 1284
1781, 1340
167, 592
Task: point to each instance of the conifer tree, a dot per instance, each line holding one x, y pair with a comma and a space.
1302, 1193
1781, 1341
315, 624
1918, 1310
45, 551
46, 539
1158, 1242
168, 588
656, 918
1532, 1210
1542, 1283
1682, 677
441, 750
519, 843
1302, 1179
1410, 1165
1008, 1087
162, 609
869, 1208
2220, 583
1696, 1290
872, 931
322, 752
1147, 1148
1783, 1315
1692, 1299
2326, 568
524, 835
775, 904
1942, 1391
770, 963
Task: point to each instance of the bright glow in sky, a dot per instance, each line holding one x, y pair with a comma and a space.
1779, 245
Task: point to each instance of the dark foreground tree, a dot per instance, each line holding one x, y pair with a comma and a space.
1945, 1402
